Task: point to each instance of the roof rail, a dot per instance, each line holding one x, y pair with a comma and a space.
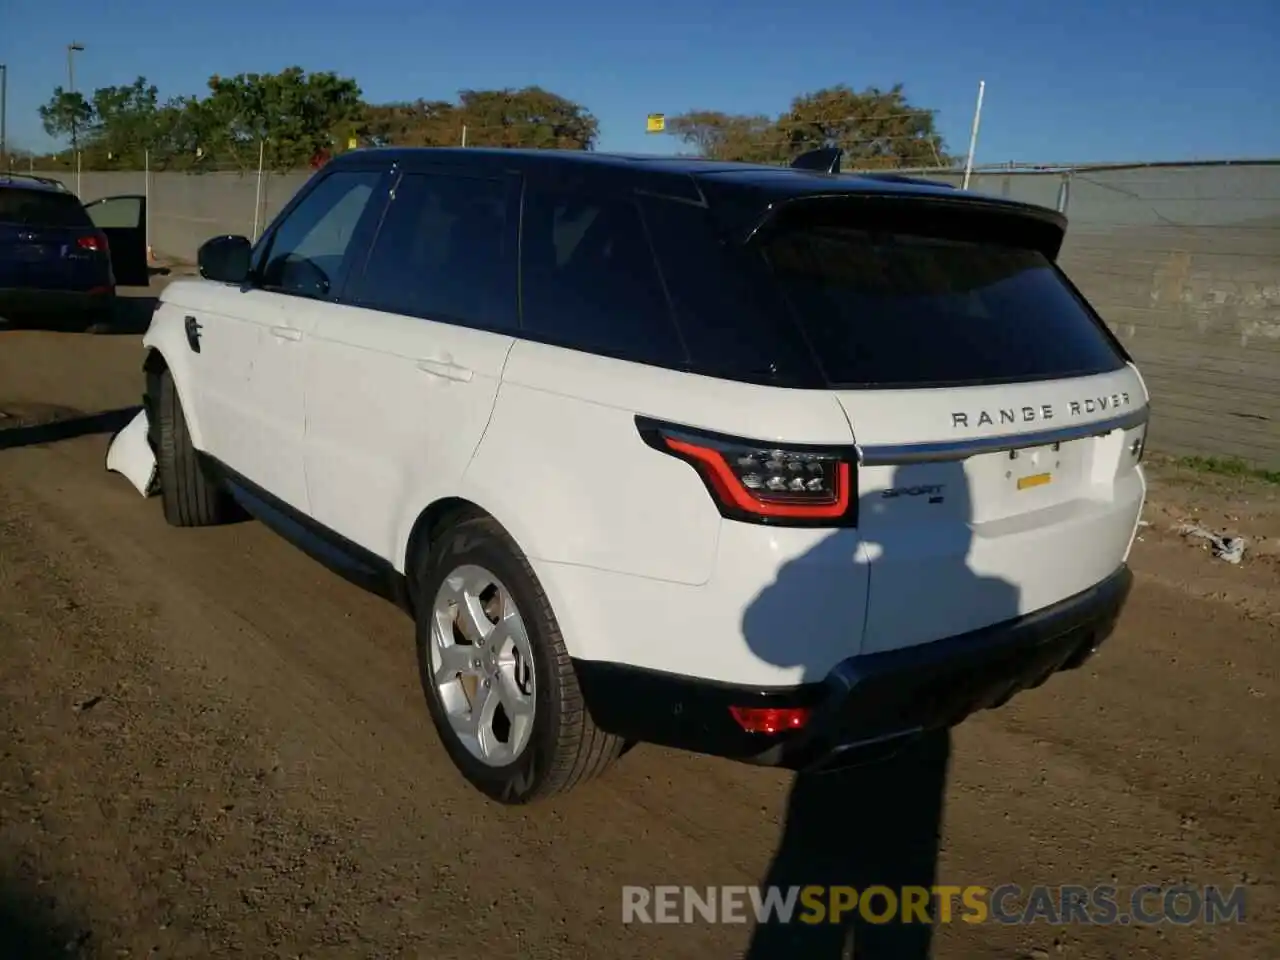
47, 181
822, 160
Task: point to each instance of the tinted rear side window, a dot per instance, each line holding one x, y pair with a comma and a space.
903, 310
41, 208
589, 280
442, 253
730, 319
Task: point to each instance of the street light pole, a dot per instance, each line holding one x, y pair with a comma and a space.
4, 114
72, 48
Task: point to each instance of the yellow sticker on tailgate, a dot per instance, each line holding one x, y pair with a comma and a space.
1035, 480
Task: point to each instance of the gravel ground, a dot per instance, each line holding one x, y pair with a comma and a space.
212, 746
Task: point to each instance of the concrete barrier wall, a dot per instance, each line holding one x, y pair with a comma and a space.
187, 209
1182, 261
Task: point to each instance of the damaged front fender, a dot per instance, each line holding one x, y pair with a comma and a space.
130, 455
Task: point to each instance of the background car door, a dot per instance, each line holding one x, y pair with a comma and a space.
296, 270
124, 221
401, 378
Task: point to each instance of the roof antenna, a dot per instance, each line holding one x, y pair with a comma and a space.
822, 160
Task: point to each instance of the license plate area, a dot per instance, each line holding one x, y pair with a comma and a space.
1027, 479
1044, 472
34, 252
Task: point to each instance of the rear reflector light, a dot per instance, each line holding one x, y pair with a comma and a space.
93, 241
1138, 446
771, 720
765, 483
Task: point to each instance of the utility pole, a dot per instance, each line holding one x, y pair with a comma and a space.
72, 49
4, 114
973, 135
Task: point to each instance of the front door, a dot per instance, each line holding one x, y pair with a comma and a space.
124, 221
296, 272
402, 378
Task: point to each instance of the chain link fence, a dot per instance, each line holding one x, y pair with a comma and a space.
1182, 260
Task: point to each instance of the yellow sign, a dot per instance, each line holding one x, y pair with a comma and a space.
352, 143
1035, 480
656, 123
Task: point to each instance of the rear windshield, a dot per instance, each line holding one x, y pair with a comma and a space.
903, 310
41, 208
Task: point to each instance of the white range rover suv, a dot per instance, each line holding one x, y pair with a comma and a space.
781, 465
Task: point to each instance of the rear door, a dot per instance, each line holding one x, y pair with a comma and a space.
401, 376
46, 241
1000, 425
124, 221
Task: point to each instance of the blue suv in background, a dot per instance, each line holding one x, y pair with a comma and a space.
60, 259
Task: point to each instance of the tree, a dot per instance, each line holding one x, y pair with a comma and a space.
724, 136
529, 117
874, 128
422, 123
65, 113
297, 114
124, 122
300, 118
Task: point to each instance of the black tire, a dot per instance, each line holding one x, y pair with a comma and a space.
565, 747
190, 496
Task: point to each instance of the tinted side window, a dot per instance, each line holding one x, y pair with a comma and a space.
41, 208
589, 280
729, 317
308, 247
441, 253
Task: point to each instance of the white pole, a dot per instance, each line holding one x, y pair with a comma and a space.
146, 192
464, 134
79, 188
973, 135
257, 199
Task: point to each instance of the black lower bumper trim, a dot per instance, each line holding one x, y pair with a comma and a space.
868, 703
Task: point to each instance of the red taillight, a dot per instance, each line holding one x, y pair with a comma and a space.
763, 482
96, 242
771, 720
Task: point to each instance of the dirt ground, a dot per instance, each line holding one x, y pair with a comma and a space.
212, 746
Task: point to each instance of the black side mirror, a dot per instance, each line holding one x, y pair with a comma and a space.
225, 259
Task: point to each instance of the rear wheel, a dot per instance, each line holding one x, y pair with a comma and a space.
190, 496
497, 677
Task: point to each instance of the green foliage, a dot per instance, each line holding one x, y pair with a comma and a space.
875, 128
300, 118
65, 112
530, 117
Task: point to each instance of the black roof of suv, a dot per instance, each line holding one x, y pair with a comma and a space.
744, 195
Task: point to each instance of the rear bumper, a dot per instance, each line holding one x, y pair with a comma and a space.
55, 307
869, 704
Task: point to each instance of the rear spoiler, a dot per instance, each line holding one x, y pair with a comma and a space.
960, 214
11, 175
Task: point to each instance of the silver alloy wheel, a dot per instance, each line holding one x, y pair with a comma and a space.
482, 665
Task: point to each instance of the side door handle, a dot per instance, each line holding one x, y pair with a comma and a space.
445, 368
286, 333
193, 328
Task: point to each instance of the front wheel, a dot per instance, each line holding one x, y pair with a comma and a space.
190, 496
497, 677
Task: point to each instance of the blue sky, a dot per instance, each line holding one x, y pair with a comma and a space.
1094, 80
